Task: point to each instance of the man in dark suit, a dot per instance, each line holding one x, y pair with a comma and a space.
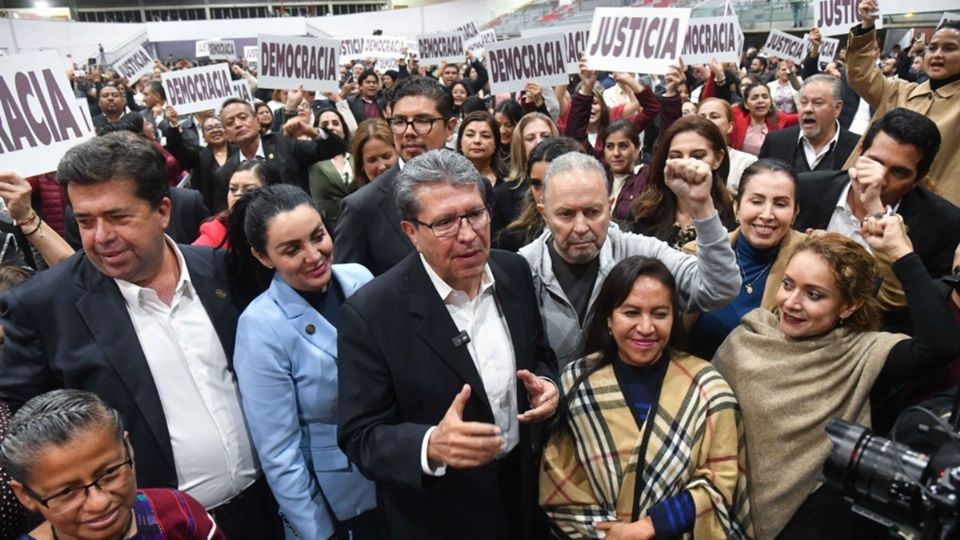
113, 103
290, 156
897, 152
367, 103
146, 324
819, 142
445, 370
368, 232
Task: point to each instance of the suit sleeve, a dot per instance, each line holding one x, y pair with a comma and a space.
371, 432
351, 235
306, 153
23, 358
195, 212
269, 397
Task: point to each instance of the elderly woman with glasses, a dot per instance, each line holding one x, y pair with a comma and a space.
72, 462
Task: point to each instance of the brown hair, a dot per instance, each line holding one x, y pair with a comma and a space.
856, 273
766, 165
518, 158
373, 128
483, 116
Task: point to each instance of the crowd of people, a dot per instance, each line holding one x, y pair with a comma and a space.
624, 308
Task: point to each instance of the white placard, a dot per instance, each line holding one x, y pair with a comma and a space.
251, 53
383, 47
576, 36
224, 49
784, 46
84, 108
242, 91
39, 118
437, 48
201, 49
351, 49
948, 17
712, 38
198, 89
469, 30
837, 17
828, 49
638, 40
514, 62
134, 65
289, 62
481, 40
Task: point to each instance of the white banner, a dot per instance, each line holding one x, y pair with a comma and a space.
351, 49
40, 120
515, 62
202, 51
198, 89
576, 36
837, 17
437, 48
712, 38
383, 47
638, 40
134, 65
251, 54
469, 30
242, 91
84, 110
484, 38
224, 49
786, 47
288, 62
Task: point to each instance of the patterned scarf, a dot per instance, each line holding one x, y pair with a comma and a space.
696, 444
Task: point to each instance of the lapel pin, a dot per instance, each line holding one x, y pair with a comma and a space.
311, 329
270, 156
219, 293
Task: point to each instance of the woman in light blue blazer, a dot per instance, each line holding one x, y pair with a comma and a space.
286, 365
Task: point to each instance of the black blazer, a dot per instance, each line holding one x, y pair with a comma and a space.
291, 157
356, 106
187, 213
368, 231
399, 371
785, 145
933, 223
198, 160
68, 327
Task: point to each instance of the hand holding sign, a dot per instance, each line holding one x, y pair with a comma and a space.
691, 179
588, 78
173, 120
868, 12
533, 92
16, 191
673, 78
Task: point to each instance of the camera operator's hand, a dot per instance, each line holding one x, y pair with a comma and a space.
588, 78
888, 235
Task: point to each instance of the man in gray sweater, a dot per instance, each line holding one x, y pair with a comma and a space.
578, 248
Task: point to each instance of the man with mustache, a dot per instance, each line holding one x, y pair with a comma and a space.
819, 142
572, 257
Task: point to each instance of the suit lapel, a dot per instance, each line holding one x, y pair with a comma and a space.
389, 206
438, 330
105, 314
215, 298
308, 323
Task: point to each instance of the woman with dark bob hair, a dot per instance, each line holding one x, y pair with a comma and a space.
607, 467
73, 463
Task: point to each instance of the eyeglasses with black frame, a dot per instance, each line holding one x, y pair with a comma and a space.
448, 227
422, 125
112, 480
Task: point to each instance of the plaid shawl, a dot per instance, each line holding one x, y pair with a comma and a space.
697, 444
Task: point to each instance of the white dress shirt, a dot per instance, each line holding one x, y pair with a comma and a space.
813, 157
212, 451
844, 222
259, 153
492, 352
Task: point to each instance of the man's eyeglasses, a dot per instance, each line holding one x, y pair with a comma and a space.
422, 125
114, 479
447, 227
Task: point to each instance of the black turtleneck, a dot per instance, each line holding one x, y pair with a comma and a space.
935, 84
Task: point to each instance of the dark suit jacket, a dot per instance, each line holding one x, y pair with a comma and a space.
290, 157
785, 145
398, 373
356, 106
328, 189
933, 223
187, 212
68, 327
369, 232
199, 161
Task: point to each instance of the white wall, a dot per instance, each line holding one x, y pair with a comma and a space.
76, 39
225, 28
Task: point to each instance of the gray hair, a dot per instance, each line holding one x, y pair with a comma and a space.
836, 88
433, 167
53, 419
571, 163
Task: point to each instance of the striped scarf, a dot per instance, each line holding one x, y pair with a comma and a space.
696, 444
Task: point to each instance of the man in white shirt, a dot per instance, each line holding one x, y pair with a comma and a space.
149, 326
444, 368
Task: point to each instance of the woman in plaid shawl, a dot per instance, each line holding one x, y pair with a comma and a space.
690, 453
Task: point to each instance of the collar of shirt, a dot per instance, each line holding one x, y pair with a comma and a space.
447, 292
135, 295
259, 153
809, 150
843, 204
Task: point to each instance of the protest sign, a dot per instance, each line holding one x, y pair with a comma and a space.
351, 49
201, 49
84, 109
469, 30
383, 47
288, 62
198, 89
539, 59
437, 48
242, 91
251, 54
639, 40
40, 120
484, 38
222, 49
828, 50
712, 38
955, 17
134, 65
575, 36
785, 46
837, 17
